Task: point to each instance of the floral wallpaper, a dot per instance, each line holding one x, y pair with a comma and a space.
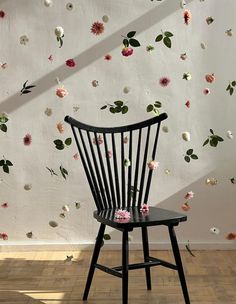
93, 61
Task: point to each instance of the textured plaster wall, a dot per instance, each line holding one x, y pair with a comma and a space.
32, 210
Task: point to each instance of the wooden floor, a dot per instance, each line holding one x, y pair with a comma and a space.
45, 277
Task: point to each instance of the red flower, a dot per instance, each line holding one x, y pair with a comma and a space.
187, 104
70, 63
231, 236
2, 14
127, 51
108, 57
187, 17
164, 81
97, 28
27, 139
3, 236
4, 205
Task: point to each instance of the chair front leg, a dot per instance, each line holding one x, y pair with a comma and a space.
96, 252
125, 266
146, 255
179, 265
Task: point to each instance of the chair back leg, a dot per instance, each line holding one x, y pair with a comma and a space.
96, 252
179, 265
125, 266
146, 256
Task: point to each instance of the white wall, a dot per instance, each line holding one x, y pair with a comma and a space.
212, 206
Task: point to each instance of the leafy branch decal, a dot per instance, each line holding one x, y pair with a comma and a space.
3, 120
213, 139
26, 89
129, 40
190, 155
118, 107
64, 172
5, 164
60, 145
51, 171
230, 87
154, 107
165, 36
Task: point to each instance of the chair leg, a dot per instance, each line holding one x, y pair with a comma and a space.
179, 265
146, 255
125, 265
94, 260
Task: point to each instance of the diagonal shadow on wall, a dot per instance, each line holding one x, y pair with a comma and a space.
87, 57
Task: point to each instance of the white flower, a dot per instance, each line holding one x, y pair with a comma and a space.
24, 39
215, 230
230, 135
59, 31
186, 136
66, 208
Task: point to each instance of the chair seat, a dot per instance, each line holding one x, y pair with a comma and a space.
155, 216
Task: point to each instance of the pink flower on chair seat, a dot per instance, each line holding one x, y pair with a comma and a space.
61, 92
122, 214
189, 195
144, 208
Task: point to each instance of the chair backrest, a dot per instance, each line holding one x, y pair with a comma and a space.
115, 160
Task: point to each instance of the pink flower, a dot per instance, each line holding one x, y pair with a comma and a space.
70, 63
2, 14
189, 195
187, 17
97, 28
164, 81
61, 92
27, 140
76, 156
107, 57
4, 205
122, 214
206, 91
60, 127
183, 56
50, 58
3, 236
144, 208
127, 51
187, 104
99, 138
231, 236
109, 153
152, 165
185, 207
125, 140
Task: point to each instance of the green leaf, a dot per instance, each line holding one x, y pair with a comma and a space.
65, 171
156, 111
231, 90
119, 103
131, 34
187, 159
112, 110
62, 173
3, 119
206, 142
194, 156
150, 108
61, 42
124, 109
167, 42
157, 104
8, 163
25, 92
228, 87
233, 83
134, 42
60, 147
106, 237
126, 42
5, 168
30, 87
189, 151
103, 108
168, 34
214, 142
68, 141
219, 138
25, 84
118, 109
2, 162
211, 131
3, 127
159, 38
58, 142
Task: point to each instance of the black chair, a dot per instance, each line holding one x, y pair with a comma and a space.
122, 181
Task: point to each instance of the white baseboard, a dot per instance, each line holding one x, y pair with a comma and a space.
112, 246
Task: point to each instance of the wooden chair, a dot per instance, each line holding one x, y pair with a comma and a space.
115, 163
